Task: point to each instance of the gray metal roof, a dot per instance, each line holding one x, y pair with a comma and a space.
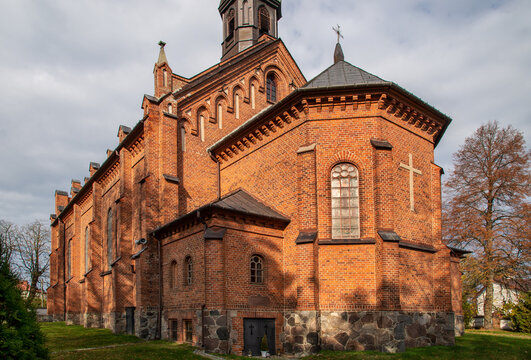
242, 202
238, 201
342, 74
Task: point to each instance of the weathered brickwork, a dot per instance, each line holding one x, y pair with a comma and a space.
211, 221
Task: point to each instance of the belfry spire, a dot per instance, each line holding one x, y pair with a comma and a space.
162, 54
338, 53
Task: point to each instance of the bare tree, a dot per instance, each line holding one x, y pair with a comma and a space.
8, 239
487, 209
33, 250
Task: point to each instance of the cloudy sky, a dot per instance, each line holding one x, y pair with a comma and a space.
72, 71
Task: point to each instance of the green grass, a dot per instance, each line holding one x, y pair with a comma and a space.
152, 350
61, 337
63, 340
470, 346
476, 344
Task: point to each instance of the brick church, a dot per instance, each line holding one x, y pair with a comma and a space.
249, 201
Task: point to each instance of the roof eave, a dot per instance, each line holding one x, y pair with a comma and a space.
134, 132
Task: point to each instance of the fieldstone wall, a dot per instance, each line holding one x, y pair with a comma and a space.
114, 321
217, 333
301, 334
145, 323
73, 319
92, 320
386, 331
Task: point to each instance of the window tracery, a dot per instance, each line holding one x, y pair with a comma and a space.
257, 269
345, 202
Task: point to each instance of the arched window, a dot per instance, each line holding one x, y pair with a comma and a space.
87, 249
188, 270
164, 78
271, 87
219, 115
202, 127
183, 138
252, 91
230, 24
345, 202
110, 236
264, 22
170, 108
236, 105
257, 269
69, 260
173, 274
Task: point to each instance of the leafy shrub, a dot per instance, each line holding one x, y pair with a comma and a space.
263, 344
521, 314
20, 334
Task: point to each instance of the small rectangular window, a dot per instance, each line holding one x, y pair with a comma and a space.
188, 332
173, 330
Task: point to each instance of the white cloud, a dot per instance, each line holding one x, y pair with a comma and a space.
73, 71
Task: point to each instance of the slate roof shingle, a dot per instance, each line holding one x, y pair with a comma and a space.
342, 74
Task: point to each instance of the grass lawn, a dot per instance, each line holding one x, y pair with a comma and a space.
474, 345
62, 340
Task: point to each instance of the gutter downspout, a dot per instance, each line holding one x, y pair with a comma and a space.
205, 284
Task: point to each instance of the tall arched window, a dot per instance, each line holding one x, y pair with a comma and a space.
345, 202
219, 115
164, 78
173, 275
230, 24
110, 236
236, 105
188, 270
202, 127
87, 249
264, 23
183, 138
69, 260
271, 87
252, 91
257, 269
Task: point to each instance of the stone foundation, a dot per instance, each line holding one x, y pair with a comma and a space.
145, 323
218, 337
115, 321
301, 332
386, 331
73, 319
92, 320
57, 317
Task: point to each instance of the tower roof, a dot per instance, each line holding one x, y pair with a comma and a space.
342, 74
162, 54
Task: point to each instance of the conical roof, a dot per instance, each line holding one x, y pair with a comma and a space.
343, 74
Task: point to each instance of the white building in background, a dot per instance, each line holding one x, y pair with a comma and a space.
504, 293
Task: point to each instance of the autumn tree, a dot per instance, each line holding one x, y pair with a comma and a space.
487, 208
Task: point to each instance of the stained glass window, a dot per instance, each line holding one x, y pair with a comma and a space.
345, 202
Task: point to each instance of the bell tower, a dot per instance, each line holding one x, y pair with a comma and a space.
244, 21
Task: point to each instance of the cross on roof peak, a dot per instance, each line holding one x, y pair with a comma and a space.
338, 32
